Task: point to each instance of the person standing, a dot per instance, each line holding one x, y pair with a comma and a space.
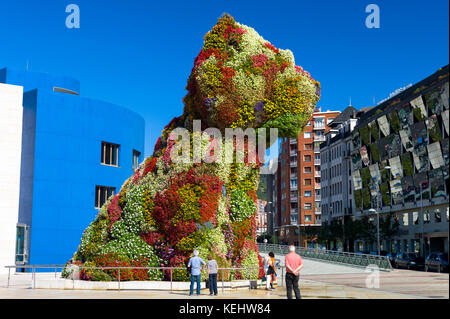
212, 274
293, 263
196, 264
269, 270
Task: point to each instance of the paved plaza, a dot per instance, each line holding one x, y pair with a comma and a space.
319, 280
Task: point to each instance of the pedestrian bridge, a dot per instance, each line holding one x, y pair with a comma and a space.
346, 261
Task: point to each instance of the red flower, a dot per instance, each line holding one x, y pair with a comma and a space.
271, 47
114, 211
150, 166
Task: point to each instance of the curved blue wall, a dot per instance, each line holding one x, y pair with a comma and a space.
69, 130
37, 80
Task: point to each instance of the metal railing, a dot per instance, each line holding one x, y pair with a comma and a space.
354, 259
230, 274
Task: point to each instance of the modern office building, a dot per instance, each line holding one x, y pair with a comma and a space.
62, 156
400, 167
299, 200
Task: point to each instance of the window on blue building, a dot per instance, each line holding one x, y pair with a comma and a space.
136, 155
22, 242
102, 193
110, 154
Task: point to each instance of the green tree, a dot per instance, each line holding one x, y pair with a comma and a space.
389, 226
366, 229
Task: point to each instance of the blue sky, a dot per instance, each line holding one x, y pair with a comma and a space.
139, 53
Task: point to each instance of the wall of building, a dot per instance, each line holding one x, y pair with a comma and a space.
336, 183
10, 146
61, 160
401, 153
67, 167
293, 175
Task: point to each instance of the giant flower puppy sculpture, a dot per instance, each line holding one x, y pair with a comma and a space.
168, 208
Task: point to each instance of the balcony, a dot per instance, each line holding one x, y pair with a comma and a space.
316, 149
320, 126
317, 162
316, 185
317, 174
294, 199
319, 138
292, 141
293, 187
293, 164
317, 197
293, 152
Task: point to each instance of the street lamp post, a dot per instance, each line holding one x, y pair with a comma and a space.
271, 228
378, 228
424, 244
379, 204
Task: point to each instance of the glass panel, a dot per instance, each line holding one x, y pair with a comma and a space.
416, 218
96, 196
437, 216
114, 155
108, 155
20, 240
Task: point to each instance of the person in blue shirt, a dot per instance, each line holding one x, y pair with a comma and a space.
196, 264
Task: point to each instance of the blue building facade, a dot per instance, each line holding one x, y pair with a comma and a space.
75, 151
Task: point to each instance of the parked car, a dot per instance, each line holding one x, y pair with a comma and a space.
409, 261
437, 261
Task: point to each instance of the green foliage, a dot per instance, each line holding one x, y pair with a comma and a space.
365, 176
274, 239
375, 152
389, 226
384, 189
407, 164
385, 174
365, 134
358, 198
191, 242
242, 206
434, 130
366, 198
250, 261
367, 229
289, 125
394, 121
94, 236
374, 131
131, 246
418, 114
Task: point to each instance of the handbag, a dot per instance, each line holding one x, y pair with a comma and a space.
188, 270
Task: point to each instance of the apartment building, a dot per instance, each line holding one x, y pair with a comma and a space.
299, 175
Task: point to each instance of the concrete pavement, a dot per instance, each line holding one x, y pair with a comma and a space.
397, 285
